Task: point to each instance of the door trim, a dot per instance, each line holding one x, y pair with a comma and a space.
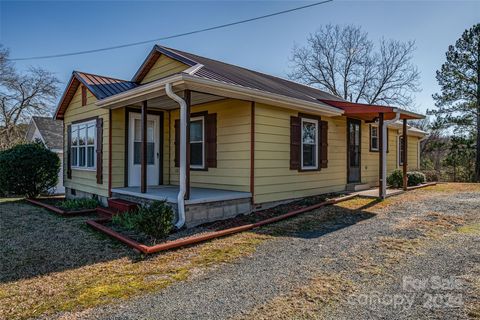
359, 122
128, 110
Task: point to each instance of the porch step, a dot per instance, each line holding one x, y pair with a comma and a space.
357, 186
120, 205
106, 212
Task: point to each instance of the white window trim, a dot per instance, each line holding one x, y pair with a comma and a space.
85, 168
399, 154
378, 139
316, 144
202, 166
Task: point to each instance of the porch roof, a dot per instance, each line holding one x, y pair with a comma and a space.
370, 112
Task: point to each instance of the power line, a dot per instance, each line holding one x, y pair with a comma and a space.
169, 37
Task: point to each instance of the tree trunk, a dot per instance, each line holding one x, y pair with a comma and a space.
477, 160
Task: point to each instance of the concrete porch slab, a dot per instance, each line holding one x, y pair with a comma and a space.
373, 193
169, 193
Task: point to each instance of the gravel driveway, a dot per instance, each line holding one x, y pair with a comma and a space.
375, 248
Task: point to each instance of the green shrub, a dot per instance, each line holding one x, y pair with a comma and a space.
415, 178
78, 204
155, 220
395, 179
431, 175
28, 170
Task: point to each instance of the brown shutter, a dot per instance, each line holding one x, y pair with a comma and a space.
99, 150
211, 140
323, 147
84, 96
295, 138
69, 151
177, 143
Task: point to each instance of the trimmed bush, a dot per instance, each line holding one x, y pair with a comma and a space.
395, 179
431, 175
28, 170
155, 220
414, 178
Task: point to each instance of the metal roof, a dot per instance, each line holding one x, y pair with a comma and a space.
101, 86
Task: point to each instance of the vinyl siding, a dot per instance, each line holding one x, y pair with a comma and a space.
164, 67
233, 147
85, 180
118, 147
274, 180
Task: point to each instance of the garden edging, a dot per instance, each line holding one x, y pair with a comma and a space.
58, 210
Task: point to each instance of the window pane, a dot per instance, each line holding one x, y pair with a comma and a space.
82, 132
150, 152
309, 133
138, 130
91, 134
374, 143
74, 156
196, 154
374, 132
74, 135
90, 157
150, 131
309, 155
81, 160
196, 130
136, 152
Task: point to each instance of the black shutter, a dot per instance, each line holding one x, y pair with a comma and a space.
177, 143
211, 140
69, 151
99, 150
295, 138
323, 147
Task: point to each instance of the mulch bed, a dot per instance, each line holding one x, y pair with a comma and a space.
52, 204
215, 226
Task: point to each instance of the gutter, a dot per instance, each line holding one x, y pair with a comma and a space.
183, 154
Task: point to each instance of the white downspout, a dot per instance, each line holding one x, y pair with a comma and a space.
183, 154
384, 152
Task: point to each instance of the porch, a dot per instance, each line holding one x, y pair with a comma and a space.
169, 193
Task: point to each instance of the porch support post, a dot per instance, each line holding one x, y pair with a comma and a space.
143, 163
188, 98
404, 160
381, 145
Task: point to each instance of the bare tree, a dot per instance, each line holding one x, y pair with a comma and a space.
343, 61
22, 96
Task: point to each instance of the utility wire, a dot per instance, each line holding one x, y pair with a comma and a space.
169, 37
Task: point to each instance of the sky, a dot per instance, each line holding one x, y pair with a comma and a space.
43, 28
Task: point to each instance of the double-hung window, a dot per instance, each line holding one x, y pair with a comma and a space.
309, 141
374, 140
83, 145
197, 142
400, 153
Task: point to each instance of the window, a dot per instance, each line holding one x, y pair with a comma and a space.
309, 150
400, 151
197, 142
83, 145
374, 142
137, 142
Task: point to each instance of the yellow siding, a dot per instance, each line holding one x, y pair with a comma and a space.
274, 180
85, 180
164, 67
233, 147
118, 147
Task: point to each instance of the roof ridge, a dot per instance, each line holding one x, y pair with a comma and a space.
97, 75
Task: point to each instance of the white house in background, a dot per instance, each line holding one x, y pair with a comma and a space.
50, 132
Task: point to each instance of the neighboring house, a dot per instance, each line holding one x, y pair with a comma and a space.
254, 139
50, 133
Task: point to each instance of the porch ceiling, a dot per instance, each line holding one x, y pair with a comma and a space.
165, 103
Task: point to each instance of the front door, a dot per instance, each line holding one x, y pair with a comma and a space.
354, 150
135, 146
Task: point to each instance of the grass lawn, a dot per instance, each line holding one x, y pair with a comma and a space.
52, 264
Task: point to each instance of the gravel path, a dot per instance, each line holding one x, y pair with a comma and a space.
293, 258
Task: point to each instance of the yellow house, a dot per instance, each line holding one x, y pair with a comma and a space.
216, 140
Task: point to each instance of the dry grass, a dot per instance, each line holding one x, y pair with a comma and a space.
305, 302
113, 273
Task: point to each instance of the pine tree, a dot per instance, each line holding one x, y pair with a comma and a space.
458, 104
